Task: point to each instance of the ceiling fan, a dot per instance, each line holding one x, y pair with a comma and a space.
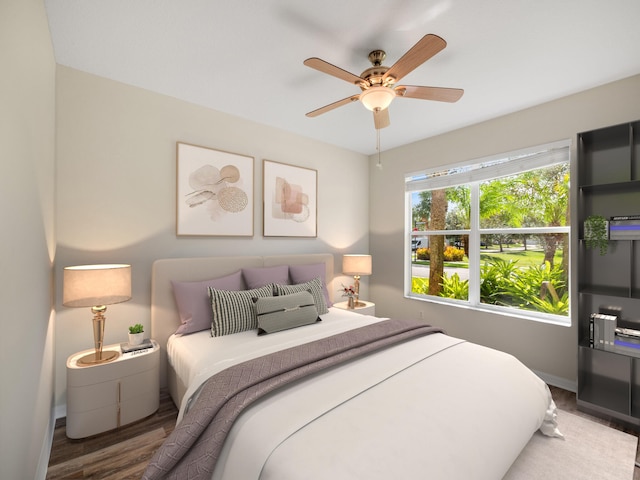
378, 83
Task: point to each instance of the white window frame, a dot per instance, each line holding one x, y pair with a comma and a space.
472, 173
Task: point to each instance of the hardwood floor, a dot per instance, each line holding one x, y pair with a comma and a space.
119, 454
125, 452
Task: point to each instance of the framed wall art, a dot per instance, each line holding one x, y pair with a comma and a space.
214, 192
290, 200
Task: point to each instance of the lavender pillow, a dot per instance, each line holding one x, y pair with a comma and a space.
306, 273
261, 276
192, 299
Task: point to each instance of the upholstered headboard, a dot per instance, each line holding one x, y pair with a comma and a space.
164, 313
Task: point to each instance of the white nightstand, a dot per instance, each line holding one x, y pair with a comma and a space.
369, 308
106, 396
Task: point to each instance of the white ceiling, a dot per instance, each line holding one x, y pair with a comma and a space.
244, 57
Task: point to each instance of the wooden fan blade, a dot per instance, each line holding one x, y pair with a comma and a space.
381, 118
430, 93
329, 69
331, 106
422, 51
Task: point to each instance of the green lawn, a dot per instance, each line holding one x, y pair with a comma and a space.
524, 258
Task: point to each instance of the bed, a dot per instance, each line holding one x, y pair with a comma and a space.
402, 400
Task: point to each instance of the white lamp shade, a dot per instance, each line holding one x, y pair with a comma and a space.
377, 97
356, 264
93, 285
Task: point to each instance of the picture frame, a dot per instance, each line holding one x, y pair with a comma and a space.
290, 200
214, 192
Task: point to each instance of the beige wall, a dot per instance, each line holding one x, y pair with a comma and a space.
27, 239
111, 191
546, 348
116, 154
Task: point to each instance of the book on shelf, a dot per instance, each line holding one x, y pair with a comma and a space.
602, 331
628, 333
625, 217
627, 345
624, 227
614, 310
127, 347
627, 342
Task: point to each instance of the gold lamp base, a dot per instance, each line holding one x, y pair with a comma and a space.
98, 358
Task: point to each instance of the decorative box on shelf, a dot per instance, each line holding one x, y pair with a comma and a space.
108, 395
624, 227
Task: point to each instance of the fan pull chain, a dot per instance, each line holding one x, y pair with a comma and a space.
379, 165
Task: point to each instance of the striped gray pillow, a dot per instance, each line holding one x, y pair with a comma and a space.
314, 286
234, 312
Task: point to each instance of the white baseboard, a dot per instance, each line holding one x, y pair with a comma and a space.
570, 385
45, 451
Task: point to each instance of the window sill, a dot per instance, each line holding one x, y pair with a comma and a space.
539, 317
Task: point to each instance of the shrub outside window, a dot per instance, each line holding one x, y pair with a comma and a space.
493, 234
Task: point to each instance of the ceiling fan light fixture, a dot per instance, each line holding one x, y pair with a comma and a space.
378, 83
377, 97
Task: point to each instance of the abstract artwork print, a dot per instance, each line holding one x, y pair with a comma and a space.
290, 200
214, 192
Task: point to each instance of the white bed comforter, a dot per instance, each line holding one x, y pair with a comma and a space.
198, 356
433, 408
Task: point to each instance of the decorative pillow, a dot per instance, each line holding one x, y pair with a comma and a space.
234, 312
314, 287
304, 273
193, 304
261, 276
284, 312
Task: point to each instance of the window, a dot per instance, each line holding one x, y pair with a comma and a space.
493, 234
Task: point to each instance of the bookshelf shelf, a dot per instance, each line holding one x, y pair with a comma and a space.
609, 185
613, 188
605, 290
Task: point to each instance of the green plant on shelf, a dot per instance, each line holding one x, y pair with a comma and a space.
137, 328
596, 233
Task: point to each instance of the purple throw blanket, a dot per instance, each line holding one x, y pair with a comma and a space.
193, 447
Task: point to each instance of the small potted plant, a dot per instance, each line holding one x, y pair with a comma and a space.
596, 233
136, 334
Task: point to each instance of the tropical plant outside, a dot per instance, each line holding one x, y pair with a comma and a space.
503, 282
450, 254
527, 271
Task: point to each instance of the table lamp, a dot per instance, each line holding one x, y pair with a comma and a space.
96, 286
356, 265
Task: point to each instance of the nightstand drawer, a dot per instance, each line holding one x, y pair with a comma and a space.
109, 395
136, 385
138, 407
85, 424
91, 397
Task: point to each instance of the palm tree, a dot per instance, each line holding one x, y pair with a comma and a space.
436, 242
